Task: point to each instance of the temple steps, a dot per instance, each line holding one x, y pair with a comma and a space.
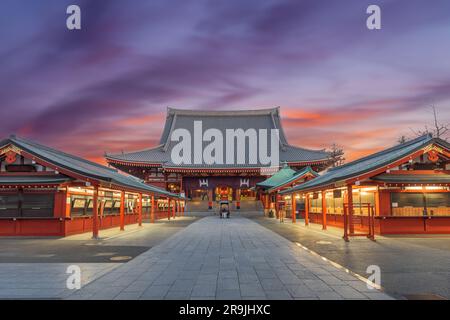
200, 208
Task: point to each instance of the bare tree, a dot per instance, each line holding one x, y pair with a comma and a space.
402, 139
439, 129
336, 155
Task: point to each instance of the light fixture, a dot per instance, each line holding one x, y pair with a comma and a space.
433, 188
413, 188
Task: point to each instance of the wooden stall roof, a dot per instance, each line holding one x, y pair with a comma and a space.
370, 163
82, 167
39, 179
438, 178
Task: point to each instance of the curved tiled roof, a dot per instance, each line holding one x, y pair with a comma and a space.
221, 120
285, 176
40, 179
152, 155
281, 176
413, 178
82, 166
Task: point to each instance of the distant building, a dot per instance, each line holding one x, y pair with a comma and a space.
211, 182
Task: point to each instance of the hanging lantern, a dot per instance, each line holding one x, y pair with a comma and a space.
433, 156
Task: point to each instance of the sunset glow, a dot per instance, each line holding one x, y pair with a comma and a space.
106, 87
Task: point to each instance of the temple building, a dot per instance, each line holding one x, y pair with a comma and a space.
206, 182
47, 192
404, 189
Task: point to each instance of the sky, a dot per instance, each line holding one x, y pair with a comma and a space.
106, 87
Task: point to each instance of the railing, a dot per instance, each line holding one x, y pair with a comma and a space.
354, 224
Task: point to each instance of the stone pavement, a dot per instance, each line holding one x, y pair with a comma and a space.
81, 248
412, 266
44, 280
227, 259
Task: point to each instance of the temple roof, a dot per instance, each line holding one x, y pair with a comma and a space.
40, 179
284, 176
413, 178
369, 163
221, 120
81, 166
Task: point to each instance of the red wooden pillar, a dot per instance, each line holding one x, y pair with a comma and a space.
377, 201
210, 195
174, 208
294, 207
122, 211
277, 205
350, 209
95, 225
266, 204
324, 210
67, 203
152, 210
168, 209
238, 199
140, 210
183, 205
306, 209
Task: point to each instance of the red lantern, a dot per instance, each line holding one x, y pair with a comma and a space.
433, 156
10, 157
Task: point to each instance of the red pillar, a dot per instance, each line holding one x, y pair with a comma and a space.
174, 208
238, 199
95, 225
350, 209
152, 212
277, 205
294, 207
140, 210
306, 209
266, 204
122, 210
377, 201
210, 195
67, 203
168, 209
324, 210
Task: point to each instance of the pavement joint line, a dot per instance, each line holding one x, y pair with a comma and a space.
124, 233
323, 232
311, 229
319, 232
337, 265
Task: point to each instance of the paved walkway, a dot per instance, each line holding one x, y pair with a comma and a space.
227, 259
82, 249
412, 267
44, 280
